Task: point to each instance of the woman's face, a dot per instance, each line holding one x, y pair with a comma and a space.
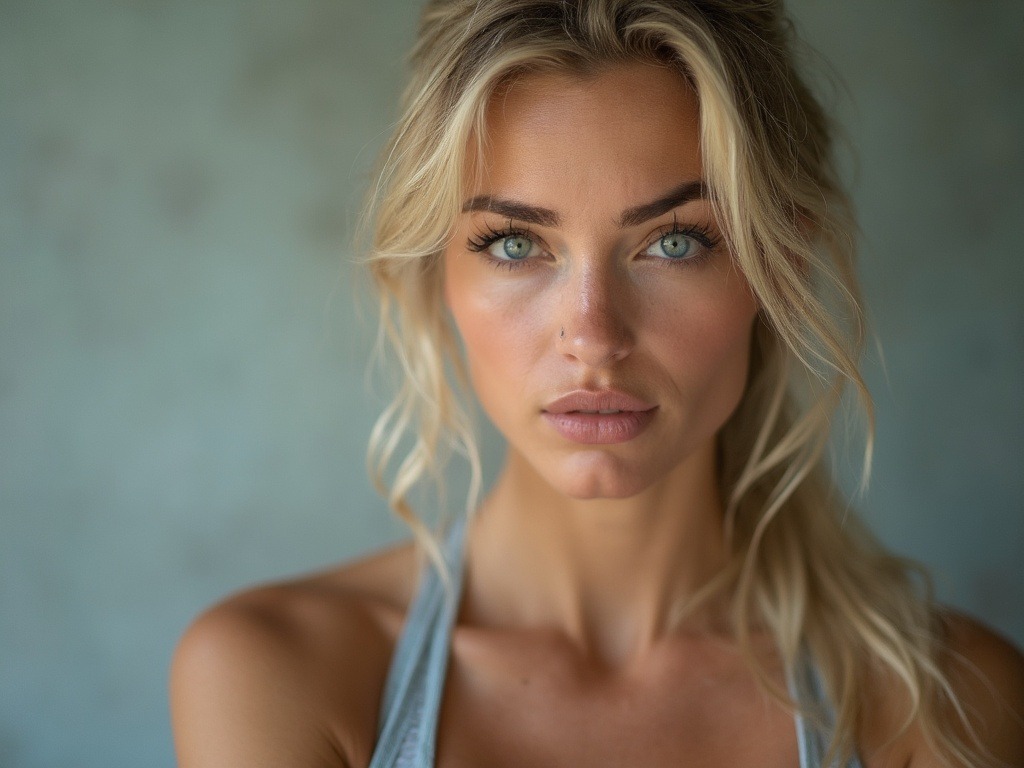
606, 330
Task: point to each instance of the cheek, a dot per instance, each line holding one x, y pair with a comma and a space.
499, 324
708, 338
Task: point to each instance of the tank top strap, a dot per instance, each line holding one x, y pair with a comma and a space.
815, 717
411, 700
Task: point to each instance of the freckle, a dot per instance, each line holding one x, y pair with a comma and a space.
524, 680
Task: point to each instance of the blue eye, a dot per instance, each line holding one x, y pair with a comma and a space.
675, 246
511, 248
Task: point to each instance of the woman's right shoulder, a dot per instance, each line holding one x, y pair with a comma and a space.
292, 672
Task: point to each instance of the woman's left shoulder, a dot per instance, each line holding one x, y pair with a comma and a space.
986, 672
982, 645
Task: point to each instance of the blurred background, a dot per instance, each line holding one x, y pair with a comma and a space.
183, 406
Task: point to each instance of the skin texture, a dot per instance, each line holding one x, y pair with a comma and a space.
569, 649
590, 309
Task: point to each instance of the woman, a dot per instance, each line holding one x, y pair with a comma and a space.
626, 215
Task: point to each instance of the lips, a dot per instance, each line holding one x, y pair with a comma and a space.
599, 418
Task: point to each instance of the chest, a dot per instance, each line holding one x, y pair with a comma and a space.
515, 704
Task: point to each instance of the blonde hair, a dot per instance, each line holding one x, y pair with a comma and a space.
800, 566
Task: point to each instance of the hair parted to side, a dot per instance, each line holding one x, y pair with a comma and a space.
800, 567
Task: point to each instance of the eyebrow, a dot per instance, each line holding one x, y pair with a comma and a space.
684, 193
631, 217
531, 214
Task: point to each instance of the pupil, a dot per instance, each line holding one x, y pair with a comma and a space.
674, 245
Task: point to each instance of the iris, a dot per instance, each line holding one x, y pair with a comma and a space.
516, 247
676, 245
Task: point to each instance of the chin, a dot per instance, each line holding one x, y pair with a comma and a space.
595, 478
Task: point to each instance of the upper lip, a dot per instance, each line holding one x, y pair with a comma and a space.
602, 400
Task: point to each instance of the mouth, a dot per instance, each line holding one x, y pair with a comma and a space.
599, 418
605, 402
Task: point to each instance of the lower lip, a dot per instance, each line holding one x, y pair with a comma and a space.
600, 428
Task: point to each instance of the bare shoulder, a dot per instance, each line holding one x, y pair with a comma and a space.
987, 672
291, 673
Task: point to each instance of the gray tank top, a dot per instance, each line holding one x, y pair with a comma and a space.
412, 693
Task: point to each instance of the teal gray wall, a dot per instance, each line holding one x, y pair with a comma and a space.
183, 406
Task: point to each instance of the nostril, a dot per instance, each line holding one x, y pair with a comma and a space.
595, 341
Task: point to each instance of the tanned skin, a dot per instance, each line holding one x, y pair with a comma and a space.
586, 259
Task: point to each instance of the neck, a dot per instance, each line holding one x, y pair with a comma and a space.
610, 574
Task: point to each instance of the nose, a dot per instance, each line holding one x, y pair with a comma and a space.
594, 316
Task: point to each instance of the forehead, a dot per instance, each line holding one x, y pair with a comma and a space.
626, 131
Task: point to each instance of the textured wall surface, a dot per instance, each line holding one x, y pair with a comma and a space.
183, 408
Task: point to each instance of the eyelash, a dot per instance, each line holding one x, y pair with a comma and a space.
481, 241
701, 234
